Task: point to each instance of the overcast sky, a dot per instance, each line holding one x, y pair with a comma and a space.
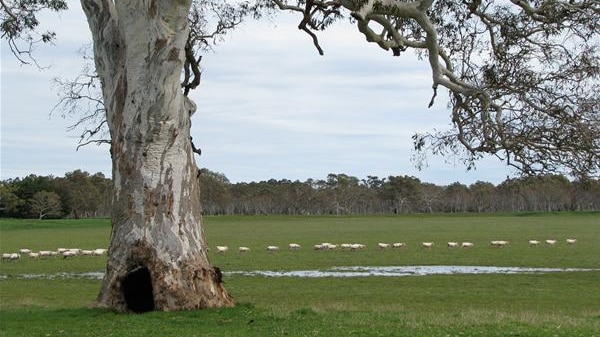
269, 107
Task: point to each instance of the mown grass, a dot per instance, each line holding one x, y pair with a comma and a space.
558, 304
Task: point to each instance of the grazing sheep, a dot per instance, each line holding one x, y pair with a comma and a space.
345, 246
356, 246
533, 242
243, 249
24, 251
427, 245
5, 256
551, 242
87, 252
33, 255
272, 248
498, 243
467, 245
100, 251
571, 241
222, 249
325, 246
383, 245
75, 251
398, 245
47, 253
68, 253
452, 244
294, 246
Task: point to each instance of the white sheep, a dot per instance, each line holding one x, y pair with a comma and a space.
243, 249
222, 249
467, 244
294, 246
534, 242
498, 243
68, 253
427, 245
383, 245
327, 245
452, 244
33, 255
46, 253
24, 251
100, 251
571, 241
551, 242
87, 252
272, 248
398, 245
76, 251
356, 246
6, 256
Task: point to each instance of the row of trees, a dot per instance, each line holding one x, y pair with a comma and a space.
344, 194
79, 195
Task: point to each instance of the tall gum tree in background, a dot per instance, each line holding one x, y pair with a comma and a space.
522, 78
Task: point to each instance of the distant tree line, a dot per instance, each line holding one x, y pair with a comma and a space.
344, 194
76, 195
82, 195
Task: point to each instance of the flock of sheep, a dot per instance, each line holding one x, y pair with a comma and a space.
63, 252
383, 246
325, 246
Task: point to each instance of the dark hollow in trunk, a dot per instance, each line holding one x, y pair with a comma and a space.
137, 290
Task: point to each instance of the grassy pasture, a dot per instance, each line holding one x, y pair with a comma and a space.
561, 304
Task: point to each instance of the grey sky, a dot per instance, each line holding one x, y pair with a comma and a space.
269, 107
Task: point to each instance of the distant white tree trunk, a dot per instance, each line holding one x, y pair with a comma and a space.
157, 256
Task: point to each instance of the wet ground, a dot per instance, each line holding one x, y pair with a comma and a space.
350, 271
399, 271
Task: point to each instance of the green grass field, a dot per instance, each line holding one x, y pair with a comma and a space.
555, 304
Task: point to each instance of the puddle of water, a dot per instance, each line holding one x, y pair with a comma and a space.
399, 271
90, 275
350, 271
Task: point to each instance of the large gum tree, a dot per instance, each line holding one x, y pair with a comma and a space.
157, 256
522, 76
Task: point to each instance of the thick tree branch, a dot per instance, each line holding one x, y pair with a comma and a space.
522, 76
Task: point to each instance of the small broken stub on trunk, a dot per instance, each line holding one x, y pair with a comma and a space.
137, 290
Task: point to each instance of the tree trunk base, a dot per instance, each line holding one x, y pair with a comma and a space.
147, 284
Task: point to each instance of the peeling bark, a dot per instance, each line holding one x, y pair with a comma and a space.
156, 225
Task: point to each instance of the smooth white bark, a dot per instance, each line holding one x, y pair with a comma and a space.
139, 53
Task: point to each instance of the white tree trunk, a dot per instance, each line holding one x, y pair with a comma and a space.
157, 256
